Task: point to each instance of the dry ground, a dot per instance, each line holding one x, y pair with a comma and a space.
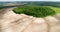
11, 22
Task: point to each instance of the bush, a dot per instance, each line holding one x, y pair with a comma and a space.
36, 11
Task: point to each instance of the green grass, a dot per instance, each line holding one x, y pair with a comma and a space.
36, 11
56, 9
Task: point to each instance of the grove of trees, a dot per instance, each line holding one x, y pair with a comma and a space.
36, 11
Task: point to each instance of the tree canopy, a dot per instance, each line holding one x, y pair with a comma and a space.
36, 11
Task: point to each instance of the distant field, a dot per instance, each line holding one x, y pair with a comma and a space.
56, 9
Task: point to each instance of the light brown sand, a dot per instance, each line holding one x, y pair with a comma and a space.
11, 22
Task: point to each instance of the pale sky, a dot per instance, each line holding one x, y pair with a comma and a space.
29, 0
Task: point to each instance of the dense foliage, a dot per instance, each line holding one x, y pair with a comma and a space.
36, 11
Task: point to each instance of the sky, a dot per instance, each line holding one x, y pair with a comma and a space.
29, 0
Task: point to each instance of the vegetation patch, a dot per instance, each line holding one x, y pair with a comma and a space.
56, 9
36, 11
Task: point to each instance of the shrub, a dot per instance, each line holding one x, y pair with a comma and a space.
36, 11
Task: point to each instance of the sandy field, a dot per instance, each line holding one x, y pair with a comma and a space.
11, 22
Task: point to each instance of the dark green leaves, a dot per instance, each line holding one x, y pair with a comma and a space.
36, 11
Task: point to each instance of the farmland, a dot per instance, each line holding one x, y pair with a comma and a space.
56, 9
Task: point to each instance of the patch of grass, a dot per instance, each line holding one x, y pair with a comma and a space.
56, 9
36, 11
